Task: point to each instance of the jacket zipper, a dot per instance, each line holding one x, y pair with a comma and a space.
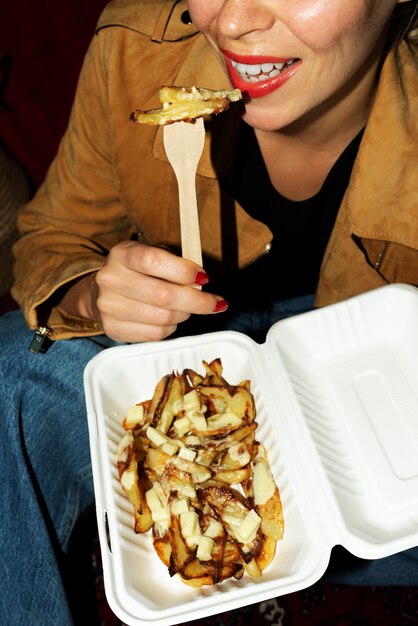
265, 251
381, 255
40, 340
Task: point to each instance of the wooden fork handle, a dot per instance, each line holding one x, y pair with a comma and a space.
189, 220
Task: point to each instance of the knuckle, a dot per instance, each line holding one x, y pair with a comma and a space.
101, 303
107, 327
163, 296
116, 251
148, 258
103, 277
121, 253
163, 317
158, 333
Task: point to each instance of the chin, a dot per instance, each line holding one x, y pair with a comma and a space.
262, 119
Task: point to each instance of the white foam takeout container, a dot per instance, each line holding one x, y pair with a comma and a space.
336, 392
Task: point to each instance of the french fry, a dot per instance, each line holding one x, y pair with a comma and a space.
233, 477
181, 555
134, 483
194, 472
162, 546
252, 568
232, 566
267, 552
185, 104
267, 497
175, 390
234, 398
159, 399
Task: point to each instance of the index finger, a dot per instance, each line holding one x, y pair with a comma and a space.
160, 263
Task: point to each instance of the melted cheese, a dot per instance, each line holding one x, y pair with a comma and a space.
263, 482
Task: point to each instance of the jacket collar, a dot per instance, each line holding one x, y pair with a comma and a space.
166, 21
382, 196
161, 20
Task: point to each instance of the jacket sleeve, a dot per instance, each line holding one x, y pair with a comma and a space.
77, 215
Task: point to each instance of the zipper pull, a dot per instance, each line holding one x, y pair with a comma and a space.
40, 341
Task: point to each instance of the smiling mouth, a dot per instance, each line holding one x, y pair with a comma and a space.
260, 72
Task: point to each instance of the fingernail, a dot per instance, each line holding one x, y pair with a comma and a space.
220, 306
201, 278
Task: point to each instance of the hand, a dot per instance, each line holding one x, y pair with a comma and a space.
142, 293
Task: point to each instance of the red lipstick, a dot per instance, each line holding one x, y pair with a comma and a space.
263, 87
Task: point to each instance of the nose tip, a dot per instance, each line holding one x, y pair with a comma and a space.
237, 18
229, 21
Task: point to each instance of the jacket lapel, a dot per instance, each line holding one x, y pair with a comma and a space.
383, 194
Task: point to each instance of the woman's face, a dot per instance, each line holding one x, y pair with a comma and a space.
295, 57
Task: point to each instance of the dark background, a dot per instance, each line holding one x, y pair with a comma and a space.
42, 45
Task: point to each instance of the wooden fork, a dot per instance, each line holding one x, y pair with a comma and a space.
183, 143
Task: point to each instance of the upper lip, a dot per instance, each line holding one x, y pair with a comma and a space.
254, 59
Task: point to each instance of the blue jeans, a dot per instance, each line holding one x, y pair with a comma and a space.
45, 468
47, 481
256, 323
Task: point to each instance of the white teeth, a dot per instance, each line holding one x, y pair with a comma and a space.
242, 69
259, 72
252, 70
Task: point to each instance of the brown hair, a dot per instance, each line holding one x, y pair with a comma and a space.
404, 24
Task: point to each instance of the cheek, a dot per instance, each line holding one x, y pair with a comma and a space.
203, 12
323, 24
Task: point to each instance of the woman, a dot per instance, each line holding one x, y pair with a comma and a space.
312, 169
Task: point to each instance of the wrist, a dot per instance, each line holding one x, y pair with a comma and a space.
80, 297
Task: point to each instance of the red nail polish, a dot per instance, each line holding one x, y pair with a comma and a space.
201, 278
220, 306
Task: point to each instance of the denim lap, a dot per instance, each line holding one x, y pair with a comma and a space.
46, 469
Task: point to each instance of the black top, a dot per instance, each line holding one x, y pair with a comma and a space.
301, 229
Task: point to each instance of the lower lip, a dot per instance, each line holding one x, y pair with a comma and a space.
262, 88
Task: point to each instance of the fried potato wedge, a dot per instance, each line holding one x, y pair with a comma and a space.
185, 104
267, 499
233, 477
181, 555
232, 566
234, 514
235, 399
271, 513
236, 456
155, 462
195, 575
214, 373
135, 484
267, 552
162, 546
174, 393
159, 399
194, 472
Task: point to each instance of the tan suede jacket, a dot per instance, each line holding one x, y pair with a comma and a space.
111, 179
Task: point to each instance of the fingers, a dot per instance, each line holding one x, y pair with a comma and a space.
143, 293
147, 290
157, 262
139, 333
